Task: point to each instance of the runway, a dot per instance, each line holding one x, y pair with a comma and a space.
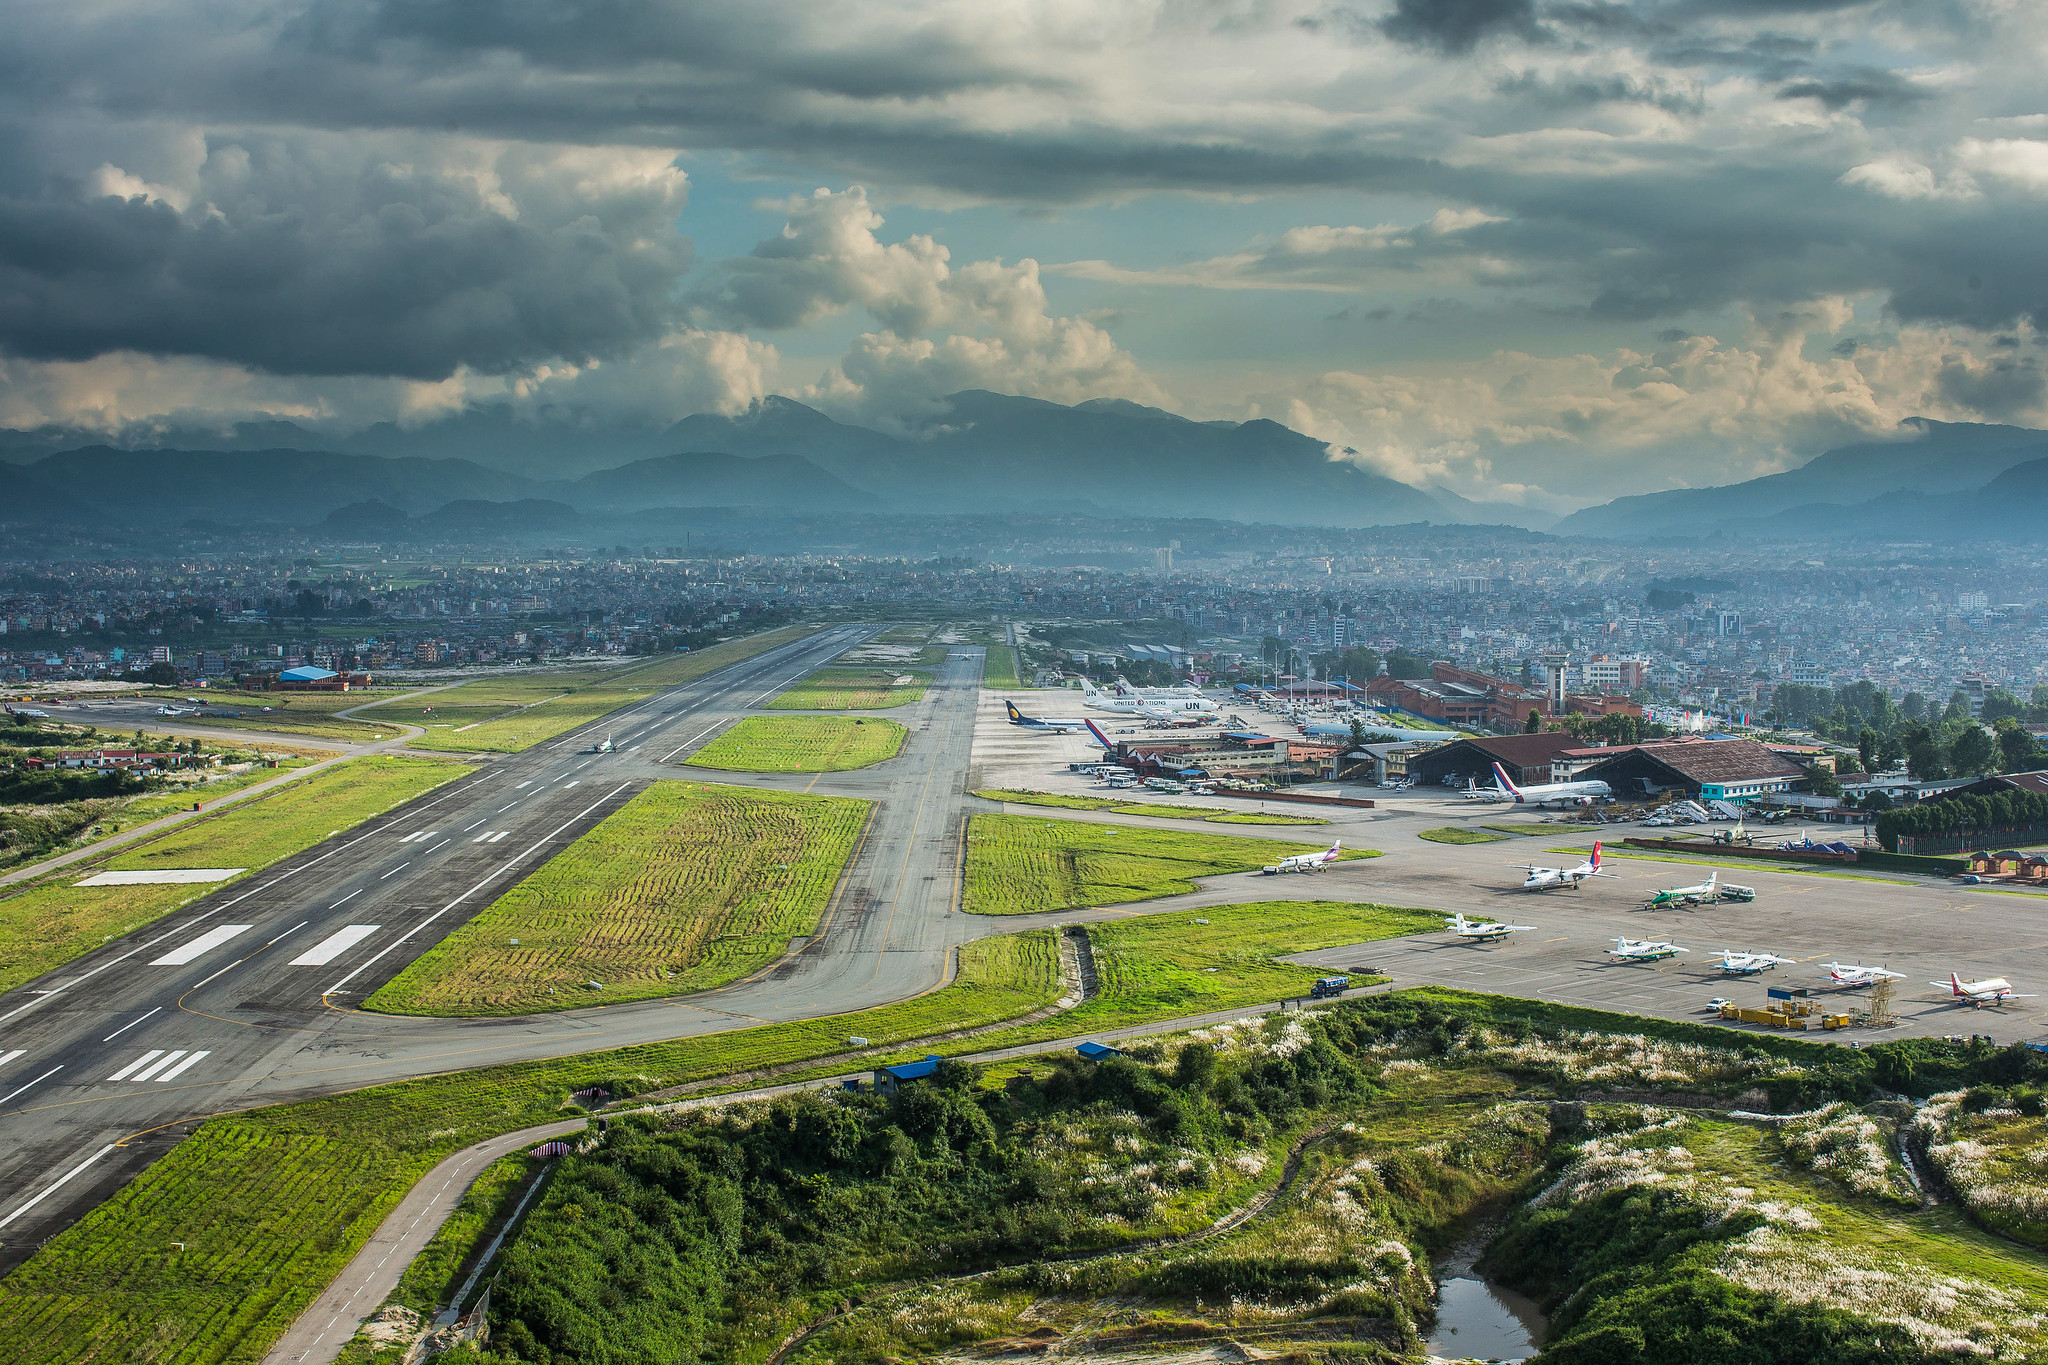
245, 997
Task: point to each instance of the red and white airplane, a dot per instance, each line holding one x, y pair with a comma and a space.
1539, 794
1992, 990
1548, 878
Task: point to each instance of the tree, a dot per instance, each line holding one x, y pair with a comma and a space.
1876, 800
1534, 723
1974, 752
2018, 751
2000, 704
1848, 763
1866, 748
1913, 706
1357, 733
1821, 782
161, 675
1402, 664
1925, 761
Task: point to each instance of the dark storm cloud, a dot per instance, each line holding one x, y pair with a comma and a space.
316, 260
1458, 26
1865, 85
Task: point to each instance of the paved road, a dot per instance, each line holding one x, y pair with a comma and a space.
240, 999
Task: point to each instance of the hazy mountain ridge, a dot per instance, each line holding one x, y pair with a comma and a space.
977, 452
1944, 458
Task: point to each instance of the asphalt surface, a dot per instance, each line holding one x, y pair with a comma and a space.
243, 997
1919, 926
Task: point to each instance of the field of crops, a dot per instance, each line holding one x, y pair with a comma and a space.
851, 689
1162, 811
271, 1204
1021, 865
53, 921
517, 709
687, 887
800, 744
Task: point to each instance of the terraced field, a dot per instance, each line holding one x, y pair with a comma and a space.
852, 689
517, 709
53, 921
800, 744
687, 887
1022, 865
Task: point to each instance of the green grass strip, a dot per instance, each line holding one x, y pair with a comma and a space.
800, 744
1454, 834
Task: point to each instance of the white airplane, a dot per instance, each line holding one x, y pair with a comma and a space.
1992, 990
173, 711
603, 746
1749, 964
1055, 727
1474, 792
1542, 793
1376, 732
1644, 949
1186, 697
1844, 975
28, 713
1483, 931
1708, 890
1310, 862
1549, 878
1096, 699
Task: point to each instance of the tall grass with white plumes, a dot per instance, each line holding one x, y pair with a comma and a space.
1996, 1162
1850, 1147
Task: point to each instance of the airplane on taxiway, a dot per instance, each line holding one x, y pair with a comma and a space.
1707, 890
1309, 862
1483, 931
1550, 878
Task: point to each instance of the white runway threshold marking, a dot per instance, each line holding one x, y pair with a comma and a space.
173, 1072
211, 939
59, 1183
164, 876
5, 1058
334, 945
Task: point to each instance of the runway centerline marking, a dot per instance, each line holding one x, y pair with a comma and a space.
37, 1081
396, 870
109, 1038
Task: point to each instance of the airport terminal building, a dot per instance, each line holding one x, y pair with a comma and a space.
1734, 770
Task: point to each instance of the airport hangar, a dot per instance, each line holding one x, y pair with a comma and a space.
1526, 758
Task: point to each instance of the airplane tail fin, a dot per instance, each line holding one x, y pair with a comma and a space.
1596, 855
1955, 983
1016, 716
1500, 775
1108, 745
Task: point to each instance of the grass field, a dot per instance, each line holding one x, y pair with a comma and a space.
851, 689
1212, 814
1526, 831
517, 709
304, 713
54, 921
800, 744
999, 667
271, 1204
1454, 834
1021, 865
685, 888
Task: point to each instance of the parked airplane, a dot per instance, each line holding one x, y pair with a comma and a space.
1057, 727
174, 711
1992, 990
1376, 732
1542, 793
1549, 878
1096, 699
1643, 949
1844, 975
28, 713
1483, 931
1309, 862
1186, 697
1686, 895
1749, 964
1474, 792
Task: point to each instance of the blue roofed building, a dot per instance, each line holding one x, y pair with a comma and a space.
887, 1078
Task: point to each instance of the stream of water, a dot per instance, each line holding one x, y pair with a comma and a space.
1476, 1319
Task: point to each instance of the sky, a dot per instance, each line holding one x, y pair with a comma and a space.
1544, 253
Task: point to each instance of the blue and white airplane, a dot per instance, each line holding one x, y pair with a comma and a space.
1376, 732
1055, 727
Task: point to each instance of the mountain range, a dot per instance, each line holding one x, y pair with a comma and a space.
981, 452
1941, 480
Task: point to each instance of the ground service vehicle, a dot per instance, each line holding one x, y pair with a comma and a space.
1328, 986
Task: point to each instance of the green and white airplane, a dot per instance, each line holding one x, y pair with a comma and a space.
1643, 949
1708, 890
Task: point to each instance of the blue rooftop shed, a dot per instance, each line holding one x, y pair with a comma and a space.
887, 1078
1095, 1051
